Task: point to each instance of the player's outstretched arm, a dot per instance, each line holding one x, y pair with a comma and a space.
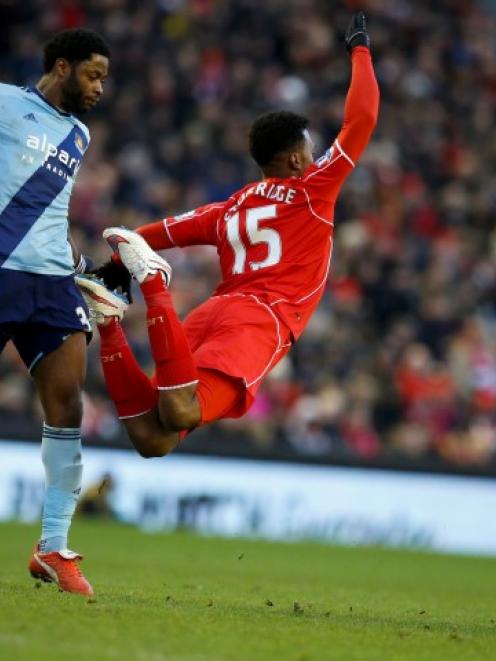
362, 101
194, 228
198, 227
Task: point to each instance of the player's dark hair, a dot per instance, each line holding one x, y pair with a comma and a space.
74, 45
275, 133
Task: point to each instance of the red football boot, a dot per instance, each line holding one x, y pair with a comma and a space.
60, 567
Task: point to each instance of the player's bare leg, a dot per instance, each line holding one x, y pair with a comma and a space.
179, 409
139, 405
156, 433
59, 379
155, 420
149, 437
177, 377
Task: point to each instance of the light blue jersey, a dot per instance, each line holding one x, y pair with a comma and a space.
41, 149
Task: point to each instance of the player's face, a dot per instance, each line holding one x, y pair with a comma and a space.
83, 86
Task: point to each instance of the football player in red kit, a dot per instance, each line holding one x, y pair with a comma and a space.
274, 241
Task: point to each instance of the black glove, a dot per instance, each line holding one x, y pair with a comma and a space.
356, 34
115, 276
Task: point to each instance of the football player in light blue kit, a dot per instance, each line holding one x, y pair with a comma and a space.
42, 144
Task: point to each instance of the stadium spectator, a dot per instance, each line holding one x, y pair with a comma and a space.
413, 263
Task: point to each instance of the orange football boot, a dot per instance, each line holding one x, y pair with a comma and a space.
60, 567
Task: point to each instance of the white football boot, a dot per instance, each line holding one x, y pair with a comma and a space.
136, 255
102, 303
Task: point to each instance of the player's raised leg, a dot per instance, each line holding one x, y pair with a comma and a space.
59, 378
156, 415
176, 373
135, 397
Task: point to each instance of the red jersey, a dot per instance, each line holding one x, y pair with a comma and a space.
274, 237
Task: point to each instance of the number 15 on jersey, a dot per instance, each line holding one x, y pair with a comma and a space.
256, 235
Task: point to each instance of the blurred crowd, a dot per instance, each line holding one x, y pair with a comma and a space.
400, 359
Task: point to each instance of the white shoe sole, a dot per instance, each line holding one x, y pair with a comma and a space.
140, 260
101, 302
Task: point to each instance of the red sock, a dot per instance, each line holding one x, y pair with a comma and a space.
174, 362
128, 386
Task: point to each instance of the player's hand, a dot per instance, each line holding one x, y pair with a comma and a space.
115, 276
356, 34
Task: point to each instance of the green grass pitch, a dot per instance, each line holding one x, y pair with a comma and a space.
184, 597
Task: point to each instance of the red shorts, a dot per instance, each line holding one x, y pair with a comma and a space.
240, 339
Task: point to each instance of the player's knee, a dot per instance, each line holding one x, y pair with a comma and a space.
181, 418
157, 447
153, 451
149, 444
179, 412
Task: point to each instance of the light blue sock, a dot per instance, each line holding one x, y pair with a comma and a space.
61, 455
